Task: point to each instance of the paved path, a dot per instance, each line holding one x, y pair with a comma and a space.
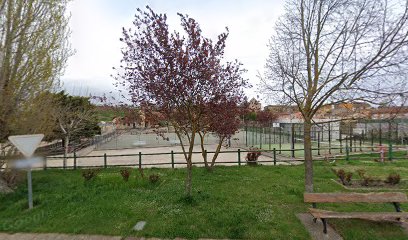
58, 236
316, 228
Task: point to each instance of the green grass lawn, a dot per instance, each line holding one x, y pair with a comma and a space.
230, 202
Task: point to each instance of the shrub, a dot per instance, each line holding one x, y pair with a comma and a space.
252, 156
361, 173
345, 177
153, 178
393, 179
89, 174
12, 177
370, 181
367, 180
125, 174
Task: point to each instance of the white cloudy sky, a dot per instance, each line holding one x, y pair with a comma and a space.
96, 28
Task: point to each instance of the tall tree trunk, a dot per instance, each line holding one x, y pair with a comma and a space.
202, 139
189, 179
190, 165
217, 151
66, 148
308, 156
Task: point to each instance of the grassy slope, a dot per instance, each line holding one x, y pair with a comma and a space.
231, 202
107, 115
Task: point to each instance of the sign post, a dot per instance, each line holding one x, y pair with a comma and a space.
27, 144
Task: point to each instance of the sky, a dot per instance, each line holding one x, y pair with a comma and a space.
96, 27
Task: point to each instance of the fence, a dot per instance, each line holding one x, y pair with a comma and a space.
139, 138
58, 147
333, 137
173, 159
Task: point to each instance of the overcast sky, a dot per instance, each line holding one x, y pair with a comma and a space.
96, 28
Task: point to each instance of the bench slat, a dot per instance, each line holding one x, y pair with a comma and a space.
381, 197
375, 216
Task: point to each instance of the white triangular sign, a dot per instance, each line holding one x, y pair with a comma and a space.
27, 144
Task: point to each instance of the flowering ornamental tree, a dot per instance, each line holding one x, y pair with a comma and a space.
265, 118
222, 120
181, 76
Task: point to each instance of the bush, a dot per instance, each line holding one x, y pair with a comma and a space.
361, 173
345, 177
252, 156
367, 180
125, 174
12, 177
153, 178
393, 179
89, 174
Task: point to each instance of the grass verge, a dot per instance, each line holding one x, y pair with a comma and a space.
230, 202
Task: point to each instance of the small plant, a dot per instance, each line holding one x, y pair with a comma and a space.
154, 178
125, 174
12, 177
367, 181
361, 173
345, 177
393, 179
252, 156
89, 174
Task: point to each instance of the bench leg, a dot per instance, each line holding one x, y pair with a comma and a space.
314, 206
324, 225
397, 206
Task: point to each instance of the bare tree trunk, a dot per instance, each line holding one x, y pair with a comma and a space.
66, 148
217, 151
308, 156
202, 136
190, 166
189, 180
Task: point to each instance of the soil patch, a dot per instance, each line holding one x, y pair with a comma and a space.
375, 185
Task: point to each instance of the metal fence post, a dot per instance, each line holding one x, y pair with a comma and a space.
105, 160
274, 156
75, 161
246, 135
340, 139
292, 143
280, 140
329, 139
239, 157
390, 152
140, 160
205, 155
347, 153
318, 143
172, 159
45, 163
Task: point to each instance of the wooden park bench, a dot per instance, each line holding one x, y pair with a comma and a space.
382, 197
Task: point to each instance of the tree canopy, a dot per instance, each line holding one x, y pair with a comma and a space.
181, 75
34, 49
335, 51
